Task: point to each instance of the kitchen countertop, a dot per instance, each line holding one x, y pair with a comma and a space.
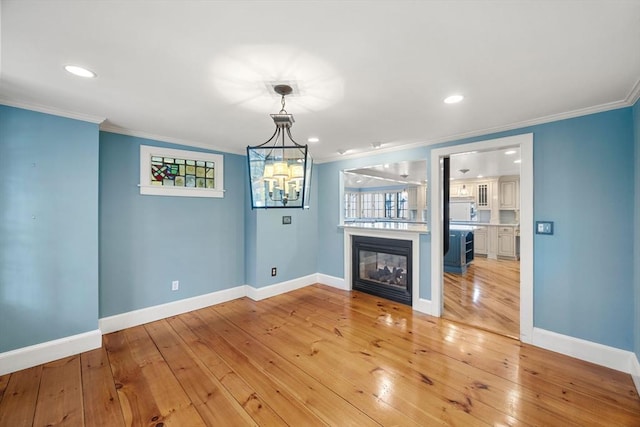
483, 224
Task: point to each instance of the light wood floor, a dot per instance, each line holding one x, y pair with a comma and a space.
315, 356
487, 296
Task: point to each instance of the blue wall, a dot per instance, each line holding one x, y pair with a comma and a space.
636, 263
49, 228
291, 248
583, 180
148, 241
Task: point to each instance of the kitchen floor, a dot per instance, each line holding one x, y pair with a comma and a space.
487, 296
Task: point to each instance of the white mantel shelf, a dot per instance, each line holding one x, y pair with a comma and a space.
405, 227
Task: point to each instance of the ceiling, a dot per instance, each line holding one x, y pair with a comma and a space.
364, 72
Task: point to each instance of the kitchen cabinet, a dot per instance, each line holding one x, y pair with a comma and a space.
460, 253
480, 241
421, 198
417, 197
509, 193
507, 242
412, 198
484, 195
461, 189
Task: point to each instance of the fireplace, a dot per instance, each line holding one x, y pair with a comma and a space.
382, 267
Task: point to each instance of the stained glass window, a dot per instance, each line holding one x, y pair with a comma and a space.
180, 172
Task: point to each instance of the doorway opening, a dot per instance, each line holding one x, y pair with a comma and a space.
481, 280
502, 256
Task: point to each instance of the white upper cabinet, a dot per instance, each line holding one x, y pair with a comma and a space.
509, 192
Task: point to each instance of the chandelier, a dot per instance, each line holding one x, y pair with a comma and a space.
280, 170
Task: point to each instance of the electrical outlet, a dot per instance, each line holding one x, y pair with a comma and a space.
175, 285
274, 271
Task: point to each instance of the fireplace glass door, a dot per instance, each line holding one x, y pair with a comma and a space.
382, 267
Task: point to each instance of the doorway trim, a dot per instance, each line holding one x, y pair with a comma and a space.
525, 141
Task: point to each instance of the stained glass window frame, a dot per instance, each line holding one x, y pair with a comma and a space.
147, 187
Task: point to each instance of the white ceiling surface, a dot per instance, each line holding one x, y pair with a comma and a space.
366, 71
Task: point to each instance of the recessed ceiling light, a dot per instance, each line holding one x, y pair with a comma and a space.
80, 71
510, 152
453, 99
480, 176
386, 165
517, 161
313, 139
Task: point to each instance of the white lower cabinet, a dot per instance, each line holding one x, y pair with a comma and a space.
507, 242
480, 242
496, 241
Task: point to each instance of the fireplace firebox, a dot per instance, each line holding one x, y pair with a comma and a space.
382, 267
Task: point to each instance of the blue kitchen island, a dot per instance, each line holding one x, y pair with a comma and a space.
460, 253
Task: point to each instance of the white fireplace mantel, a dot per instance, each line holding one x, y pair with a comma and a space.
413, 235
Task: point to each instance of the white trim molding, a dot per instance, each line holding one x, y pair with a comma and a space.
258, 294
148, 152
162, 311
335, 282
386, 234
603, 355
635, 371
52, 111
33, 355
525, 142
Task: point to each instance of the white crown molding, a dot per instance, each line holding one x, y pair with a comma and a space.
33, 355
634, 94
627, 102
53, 111
106, 127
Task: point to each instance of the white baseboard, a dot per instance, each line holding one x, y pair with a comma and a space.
157, 312
258, 294
635, 372
335, 282
599, 354
423, 306
33, 355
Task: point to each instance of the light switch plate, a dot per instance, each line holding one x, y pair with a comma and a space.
544, 227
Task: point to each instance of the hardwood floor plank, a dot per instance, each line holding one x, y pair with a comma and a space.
60, 396
251, 401
147, 389
18, 404
405, 376
322, 401
101, 403
213, 402
316, 356
459, 347
472, 383
487, 296
363, 393
4, 381
286, 405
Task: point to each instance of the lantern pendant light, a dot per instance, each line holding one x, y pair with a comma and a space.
280, 168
